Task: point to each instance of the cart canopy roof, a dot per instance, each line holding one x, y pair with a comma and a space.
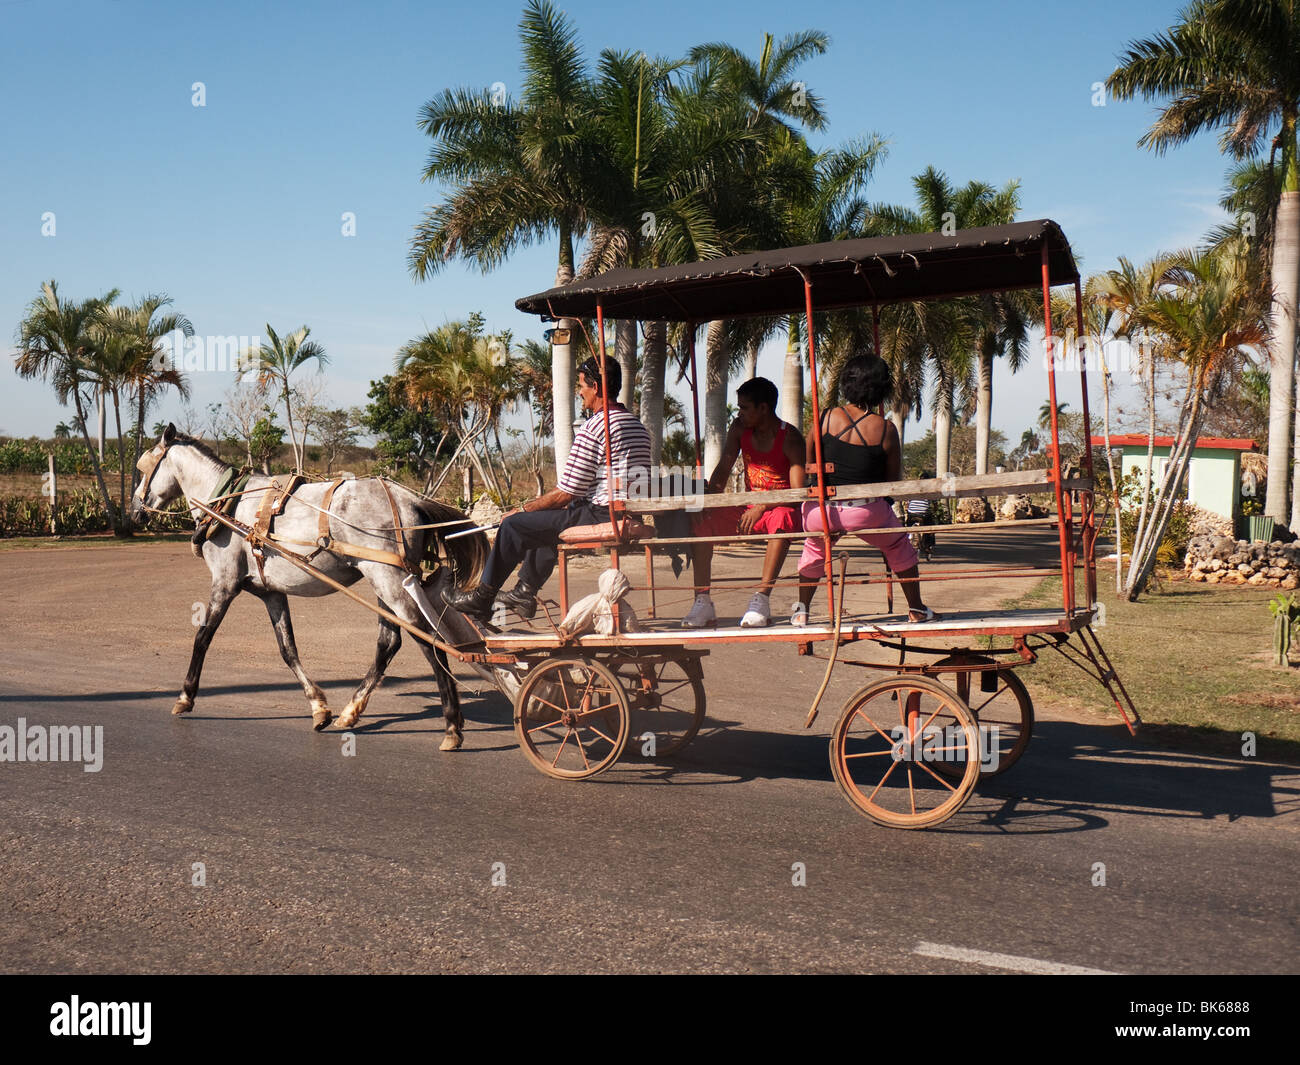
844, 273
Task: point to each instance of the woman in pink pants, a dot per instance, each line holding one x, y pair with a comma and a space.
864, 449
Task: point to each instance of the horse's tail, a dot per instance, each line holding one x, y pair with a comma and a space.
465, 554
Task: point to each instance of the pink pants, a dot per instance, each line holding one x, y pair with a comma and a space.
854, 518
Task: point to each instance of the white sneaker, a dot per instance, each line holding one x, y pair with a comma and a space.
701, 614
759, 612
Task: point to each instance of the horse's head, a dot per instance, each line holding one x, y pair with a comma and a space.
158, 481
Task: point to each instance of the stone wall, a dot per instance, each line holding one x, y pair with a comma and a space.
1217, 559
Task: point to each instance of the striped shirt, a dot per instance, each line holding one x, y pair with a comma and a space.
918, 506
584, 473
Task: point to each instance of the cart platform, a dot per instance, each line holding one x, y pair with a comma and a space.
667, 632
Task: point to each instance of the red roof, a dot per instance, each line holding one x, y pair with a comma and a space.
1138, 440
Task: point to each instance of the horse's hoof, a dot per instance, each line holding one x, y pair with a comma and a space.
320, 719
451, 743
347, 719
182, 706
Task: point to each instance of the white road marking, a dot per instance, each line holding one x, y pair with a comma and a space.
1006, 961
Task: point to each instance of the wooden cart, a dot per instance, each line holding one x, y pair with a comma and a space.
906, 750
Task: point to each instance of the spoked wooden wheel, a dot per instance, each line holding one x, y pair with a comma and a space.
666, 701
887, 743
571, 718
1004, 714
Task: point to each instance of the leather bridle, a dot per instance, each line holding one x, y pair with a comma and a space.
148, 464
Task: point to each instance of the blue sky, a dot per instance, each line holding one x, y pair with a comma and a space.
234, 208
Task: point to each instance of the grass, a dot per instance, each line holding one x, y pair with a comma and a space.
1197, 661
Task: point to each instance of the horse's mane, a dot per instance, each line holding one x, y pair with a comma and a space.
201, 447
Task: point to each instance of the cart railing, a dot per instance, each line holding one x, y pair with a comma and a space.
1015, 482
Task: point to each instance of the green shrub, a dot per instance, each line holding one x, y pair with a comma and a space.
76, 514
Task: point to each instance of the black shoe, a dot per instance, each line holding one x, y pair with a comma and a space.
476, 604
522, 600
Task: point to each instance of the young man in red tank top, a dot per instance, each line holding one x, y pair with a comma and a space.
774, 459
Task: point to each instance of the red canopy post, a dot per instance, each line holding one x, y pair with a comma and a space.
1062, 515
817, 442
1088, 521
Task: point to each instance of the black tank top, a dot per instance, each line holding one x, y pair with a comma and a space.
854, 463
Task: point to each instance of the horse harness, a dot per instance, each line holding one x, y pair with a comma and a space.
275, 496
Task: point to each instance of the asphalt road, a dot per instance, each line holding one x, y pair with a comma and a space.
402, 859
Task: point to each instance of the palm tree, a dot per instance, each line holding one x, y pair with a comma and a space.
674, 150
1231, 65
763, 96
275, 362
1045, 413
149, 371
1209, 316
519, 172
822, 202
460, 374
976, 330
1252, 199
58, 342
1126, 292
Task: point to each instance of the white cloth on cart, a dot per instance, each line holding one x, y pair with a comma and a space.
596, 611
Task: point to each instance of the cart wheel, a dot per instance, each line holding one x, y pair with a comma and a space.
571, 718
887, 742
666, 699
1005, 716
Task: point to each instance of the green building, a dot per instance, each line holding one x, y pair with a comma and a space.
1214, 479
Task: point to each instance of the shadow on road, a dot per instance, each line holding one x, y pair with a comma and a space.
1073, 777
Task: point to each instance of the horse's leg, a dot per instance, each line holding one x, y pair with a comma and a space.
387, 582
219, 600
448, 695
390, 639
277, 606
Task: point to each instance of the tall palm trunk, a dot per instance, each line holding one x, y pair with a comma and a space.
792, 381
1147, 543
102, 417
899, 418
293, 436
625, 353
1295, 448
983, 410
942, 423
1281, 352
717, 363
1151, 451
562, 363
96, 458
751, 360
654, 365
122, 526
139, 428
1114, 480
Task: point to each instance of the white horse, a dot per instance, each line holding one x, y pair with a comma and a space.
360, 514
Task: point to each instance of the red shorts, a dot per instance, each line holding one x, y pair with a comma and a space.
726, 520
